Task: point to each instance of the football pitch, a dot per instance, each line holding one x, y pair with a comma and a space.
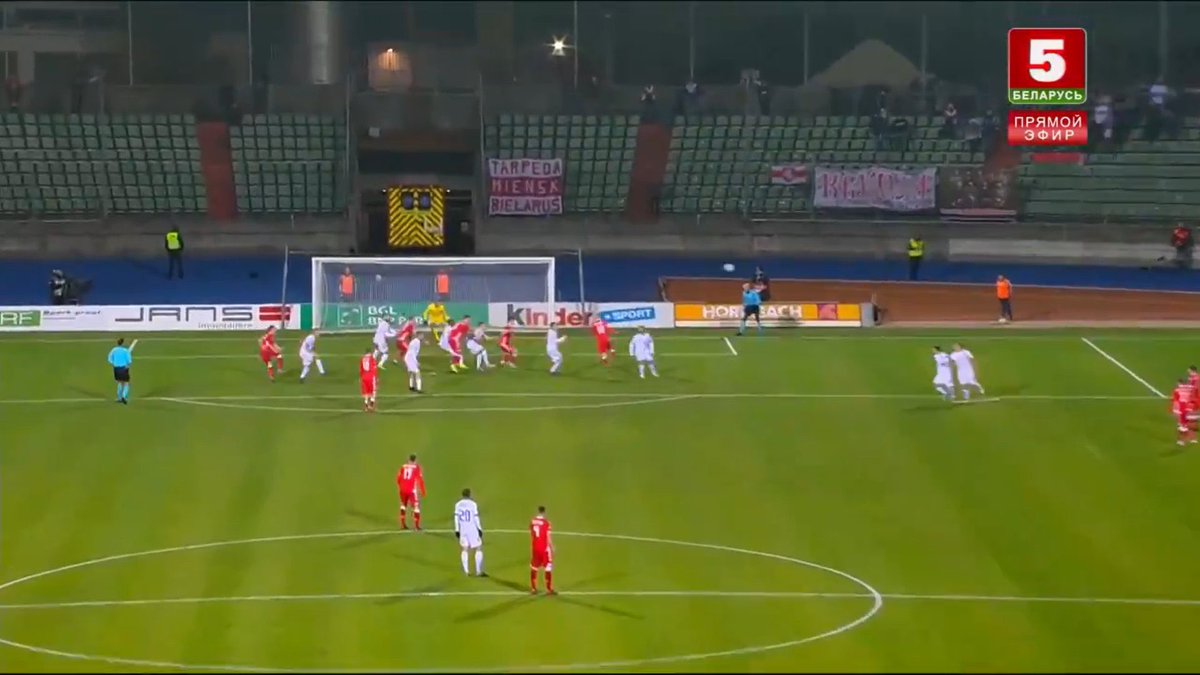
796, 501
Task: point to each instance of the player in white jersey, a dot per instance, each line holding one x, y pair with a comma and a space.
469, 530
383, 332
943, 379
475, 346
552, 343
444, 337
412, 365
641, 348
308, 355
964, 369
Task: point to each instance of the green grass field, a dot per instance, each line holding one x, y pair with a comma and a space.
806, 504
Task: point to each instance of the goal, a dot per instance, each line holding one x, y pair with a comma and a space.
405, 286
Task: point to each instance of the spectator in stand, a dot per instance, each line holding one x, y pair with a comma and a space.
988, 130
764, 97
1159, 116
1103, 122
762, 283
881, 99
13, 90
648, 102
879, 129
898, 134
1181, 241
688, 103
949, 121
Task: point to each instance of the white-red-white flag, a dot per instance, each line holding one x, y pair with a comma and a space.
789, 174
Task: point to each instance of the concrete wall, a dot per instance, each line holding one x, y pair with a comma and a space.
144, 237
704, 236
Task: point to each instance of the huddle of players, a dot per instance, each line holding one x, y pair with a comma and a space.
963, 362
468, 528
1185, 406
408, 343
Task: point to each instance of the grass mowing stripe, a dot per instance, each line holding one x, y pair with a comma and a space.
1123, 367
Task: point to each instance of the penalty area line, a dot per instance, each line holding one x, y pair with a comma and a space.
1123, 367
730, 345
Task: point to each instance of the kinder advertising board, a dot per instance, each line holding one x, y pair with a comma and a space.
774, 315
573, 315
141, 318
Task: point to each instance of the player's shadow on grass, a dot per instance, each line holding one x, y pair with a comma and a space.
516, 587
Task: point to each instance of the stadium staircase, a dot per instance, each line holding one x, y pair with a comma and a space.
649, 169
216, 164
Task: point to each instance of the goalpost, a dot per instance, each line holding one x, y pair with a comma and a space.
398, 287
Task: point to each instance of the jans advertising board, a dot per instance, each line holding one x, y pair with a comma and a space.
573, 315
774, 315
141, 318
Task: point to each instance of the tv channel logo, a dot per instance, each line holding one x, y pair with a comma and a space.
1047, 66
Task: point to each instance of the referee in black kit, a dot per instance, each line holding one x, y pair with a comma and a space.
763, 283
121, 358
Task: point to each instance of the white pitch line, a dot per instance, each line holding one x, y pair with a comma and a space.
730, 345
315, 597
1123, 367
571, 394
661, 335
254, 357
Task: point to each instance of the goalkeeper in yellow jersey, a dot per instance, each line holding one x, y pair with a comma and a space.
435, 317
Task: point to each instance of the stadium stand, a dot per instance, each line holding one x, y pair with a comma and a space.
289, 164
723, 164
1145, 180
85, 165
598, 151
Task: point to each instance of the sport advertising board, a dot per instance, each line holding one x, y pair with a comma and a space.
532, 315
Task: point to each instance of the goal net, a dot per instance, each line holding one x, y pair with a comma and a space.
351, 294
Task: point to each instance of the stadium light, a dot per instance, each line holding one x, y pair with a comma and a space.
558, 47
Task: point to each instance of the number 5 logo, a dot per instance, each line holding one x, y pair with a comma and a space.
1047, 66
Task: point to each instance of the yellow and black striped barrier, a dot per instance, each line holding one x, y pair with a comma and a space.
415, 216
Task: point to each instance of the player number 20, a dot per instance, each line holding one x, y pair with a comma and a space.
464, 516
1045, 65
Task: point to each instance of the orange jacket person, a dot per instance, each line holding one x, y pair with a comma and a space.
346, 286
1004, 295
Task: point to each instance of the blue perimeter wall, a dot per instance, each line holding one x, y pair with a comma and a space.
258, 280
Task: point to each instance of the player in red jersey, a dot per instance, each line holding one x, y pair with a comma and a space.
508, 353
1183, 407
268, 349
542, 554
458, 336
412, 488
405, 334
603, 333
1193, 378
368, 370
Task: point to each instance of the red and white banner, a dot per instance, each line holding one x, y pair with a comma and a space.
875, 188
789, 174
525, 187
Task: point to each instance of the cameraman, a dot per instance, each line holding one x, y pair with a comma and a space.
58, 288
65, 290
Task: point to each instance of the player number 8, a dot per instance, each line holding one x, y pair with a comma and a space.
1052, 66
